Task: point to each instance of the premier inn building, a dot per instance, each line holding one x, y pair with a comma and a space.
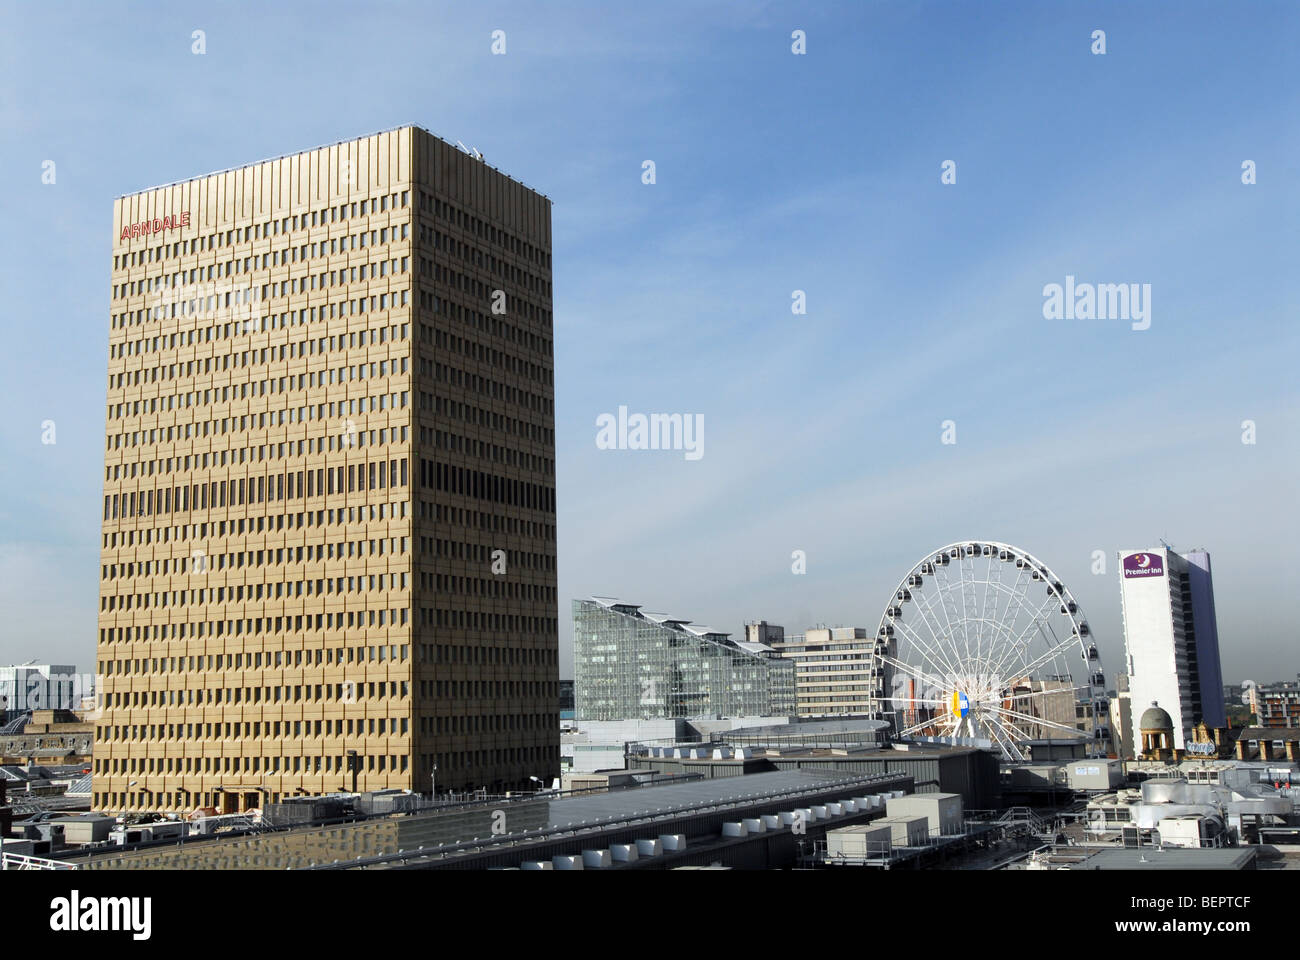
328, 549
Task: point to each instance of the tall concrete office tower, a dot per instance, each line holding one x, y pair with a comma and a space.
1171, 637
329, 494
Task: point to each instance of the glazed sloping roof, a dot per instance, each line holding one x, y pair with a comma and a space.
1270, 733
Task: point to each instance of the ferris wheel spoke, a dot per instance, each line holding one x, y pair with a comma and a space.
911, 670
924, 606
943, 596
1015, 595
1043, 693
1039, 721
916, 727
964, 563
1014, 647
924, 647
1005, 736
1046, 656
940, 584
994, 571
1020, 594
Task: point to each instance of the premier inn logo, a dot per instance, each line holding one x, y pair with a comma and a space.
75, 913
156, 225
1143, 565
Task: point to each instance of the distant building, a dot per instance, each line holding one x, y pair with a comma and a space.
630, 665
1053, 700
760, 631
1171, 637
835, 672
1275, 704
566, 699
1121, 718
40, 686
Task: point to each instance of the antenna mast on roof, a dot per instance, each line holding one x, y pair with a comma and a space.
472, 151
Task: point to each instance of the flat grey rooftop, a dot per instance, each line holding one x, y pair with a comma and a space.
1150, 858
691, 795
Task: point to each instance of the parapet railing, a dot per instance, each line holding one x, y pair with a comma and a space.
18, 861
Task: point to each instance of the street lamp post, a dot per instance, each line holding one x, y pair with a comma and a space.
433, 783
354, 764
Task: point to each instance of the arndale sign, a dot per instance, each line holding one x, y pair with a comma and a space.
156, 225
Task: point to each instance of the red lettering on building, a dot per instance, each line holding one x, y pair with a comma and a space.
156, 225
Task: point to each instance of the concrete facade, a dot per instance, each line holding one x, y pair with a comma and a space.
1171, 639
836, 672
328, 511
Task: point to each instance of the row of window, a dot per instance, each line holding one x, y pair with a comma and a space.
485, 723
466, 381
270, 764
243, 491
474, 519
373, 336
253, 660
479, 449
462, 281
257, 388
268, 524
475, 620
201, 290
240, 593
485, 261
495, 653
269, 228
450, 761
493, 587
497, 588
462, 760
812, 669
486, 486
258, 421
478, 416
462, 219
347, 692
346, 307
340, 727
360, 439
482, 553
488, 324
486, 354
297, 623
480, 293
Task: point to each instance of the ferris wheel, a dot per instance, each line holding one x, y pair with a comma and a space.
982, 640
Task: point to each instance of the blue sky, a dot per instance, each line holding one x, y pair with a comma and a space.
774, 173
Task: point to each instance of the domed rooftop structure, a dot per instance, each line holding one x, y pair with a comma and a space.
1155, 718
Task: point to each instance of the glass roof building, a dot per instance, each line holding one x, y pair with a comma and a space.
630, 665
